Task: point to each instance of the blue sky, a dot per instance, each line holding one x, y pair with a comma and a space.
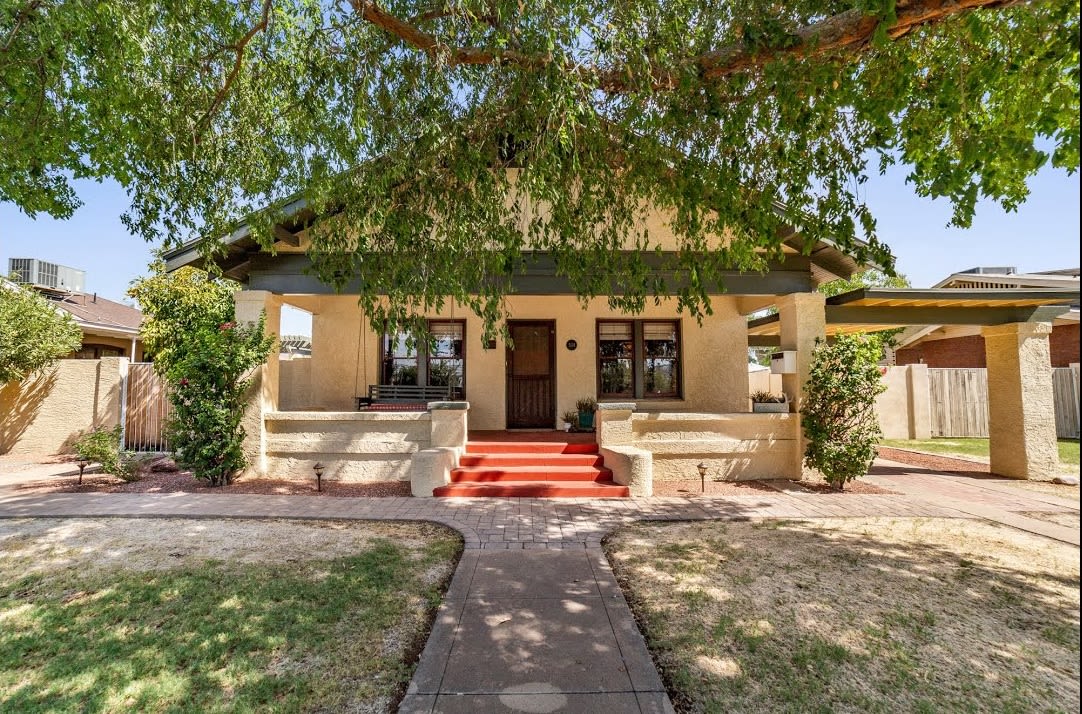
1042, 235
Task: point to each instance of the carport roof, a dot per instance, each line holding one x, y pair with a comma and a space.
874, 309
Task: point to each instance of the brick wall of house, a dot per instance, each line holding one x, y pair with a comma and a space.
969, 351
1064, 345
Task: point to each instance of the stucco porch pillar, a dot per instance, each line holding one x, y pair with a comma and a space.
263, 394
1021, 417
802, 319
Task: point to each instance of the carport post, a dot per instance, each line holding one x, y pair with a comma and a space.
1021, 417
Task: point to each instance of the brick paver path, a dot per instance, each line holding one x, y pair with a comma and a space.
546, 628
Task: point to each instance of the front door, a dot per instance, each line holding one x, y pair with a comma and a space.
531, 375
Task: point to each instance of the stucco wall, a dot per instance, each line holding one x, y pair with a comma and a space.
345, 355
45, 413
295, 383
904, 409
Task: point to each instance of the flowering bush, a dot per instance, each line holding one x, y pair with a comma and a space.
838, 409
204, 355
208, 397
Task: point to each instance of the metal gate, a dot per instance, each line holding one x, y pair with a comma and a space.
146, 409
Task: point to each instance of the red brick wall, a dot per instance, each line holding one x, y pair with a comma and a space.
1064, 345
969, 351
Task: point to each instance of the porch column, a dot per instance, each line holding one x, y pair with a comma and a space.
802, 320
1021, 413
263, 394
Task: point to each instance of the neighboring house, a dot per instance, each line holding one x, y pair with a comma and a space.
963, 345
110, 329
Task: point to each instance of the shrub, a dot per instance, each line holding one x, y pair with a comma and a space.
209, 395
103, 447
838, 409
586, 405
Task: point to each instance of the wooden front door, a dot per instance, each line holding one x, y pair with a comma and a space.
531, 375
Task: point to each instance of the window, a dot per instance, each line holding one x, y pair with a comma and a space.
440, 363
93, 351
638, 359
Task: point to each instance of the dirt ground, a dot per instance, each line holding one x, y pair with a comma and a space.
856, 614
184, 482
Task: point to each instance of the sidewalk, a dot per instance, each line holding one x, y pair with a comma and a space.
534, 620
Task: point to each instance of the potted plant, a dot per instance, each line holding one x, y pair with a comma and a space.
570, 418
763, 402
586, 407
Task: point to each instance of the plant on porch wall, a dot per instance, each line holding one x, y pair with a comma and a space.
838, 408
205, 356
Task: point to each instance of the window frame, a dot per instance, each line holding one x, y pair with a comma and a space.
638, 359
422, 358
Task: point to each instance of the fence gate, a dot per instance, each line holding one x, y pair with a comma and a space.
146, 409
959, 399
1065, 391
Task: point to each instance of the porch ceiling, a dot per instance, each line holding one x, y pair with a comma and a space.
874, 309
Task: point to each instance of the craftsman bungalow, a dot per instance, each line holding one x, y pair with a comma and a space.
672, 393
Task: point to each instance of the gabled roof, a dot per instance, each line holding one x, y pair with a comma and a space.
96, 313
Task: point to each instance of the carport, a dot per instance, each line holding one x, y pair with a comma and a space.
1015, 324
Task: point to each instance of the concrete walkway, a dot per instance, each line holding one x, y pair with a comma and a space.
534, 620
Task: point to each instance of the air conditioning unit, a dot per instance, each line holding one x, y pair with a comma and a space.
47, 275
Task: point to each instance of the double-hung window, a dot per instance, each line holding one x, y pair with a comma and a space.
638, 359
439, 363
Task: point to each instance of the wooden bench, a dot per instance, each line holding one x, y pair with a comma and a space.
403, 397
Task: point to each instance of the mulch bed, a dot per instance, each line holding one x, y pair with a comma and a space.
856, 486
693, 487
936, 462
184, 482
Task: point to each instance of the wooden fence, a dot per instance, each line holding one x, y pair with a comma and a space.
146, 409
959, 402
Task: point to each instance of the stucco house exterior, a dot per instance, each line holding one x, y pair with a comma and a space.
672, 392
961, 346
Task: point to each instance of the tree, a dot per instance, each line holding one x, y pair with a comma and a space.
205, 357
433, 130
33, 333
867, 279
837, 410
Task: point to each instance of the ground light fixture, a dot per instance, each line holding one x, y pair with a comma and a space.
83, 463
319, 468
702, 474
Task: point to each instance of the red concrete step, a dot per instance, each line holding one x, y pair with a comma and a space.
530, 473
504, 460
534, 489
528, 447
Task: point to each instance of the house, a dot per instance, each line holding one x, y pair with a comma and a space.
672, 392
963, 345
110, 328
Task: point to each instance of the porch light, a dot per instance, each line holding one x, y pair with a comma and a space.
83, 463
319, 468
702, 474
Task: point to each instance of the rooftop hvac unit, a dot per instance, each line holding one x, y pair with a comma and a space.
46, 275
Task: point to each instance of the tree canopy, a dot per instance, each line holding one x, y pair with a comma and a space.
33, 333
449, 137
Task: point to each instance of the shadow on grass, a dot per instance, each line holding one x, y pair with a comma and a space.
218, 636
788, 616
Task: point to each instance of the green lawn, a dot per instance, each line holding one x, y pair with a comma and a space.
974, 448
855, 615
294, 619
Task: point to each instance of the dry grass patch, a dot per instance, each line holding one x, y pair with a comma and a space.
1047, 488
856, 614
117, 615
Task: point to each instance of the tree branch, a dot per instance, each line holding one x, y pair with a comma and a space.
849, 30
238, 48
